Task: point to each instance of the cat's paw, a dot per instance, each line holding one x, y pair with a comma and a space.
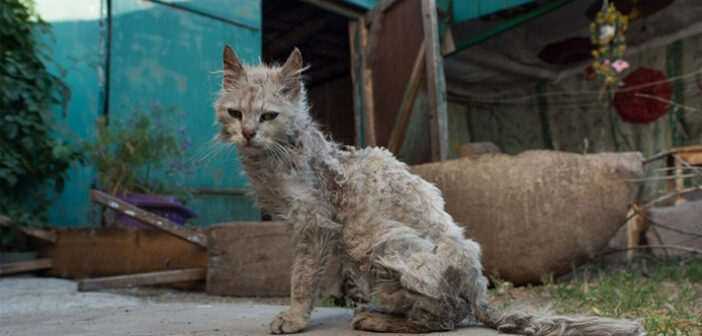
287, 323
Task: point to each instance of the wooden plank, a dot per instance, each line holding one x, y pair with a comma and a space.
45, 235
402, 119
142, 279
367, 86
435, 81
356, 82
149, 218
390, 69
373, 37
376, 13
249, 259
118, 251
25, 266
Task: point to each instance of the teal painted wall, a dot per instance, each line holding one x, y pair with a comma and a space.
75, 40
163, 54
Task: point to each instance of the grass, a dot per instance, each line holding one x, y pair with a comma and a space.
664, 294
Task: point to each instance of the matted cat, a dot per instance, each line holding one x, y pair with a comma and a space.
363, 205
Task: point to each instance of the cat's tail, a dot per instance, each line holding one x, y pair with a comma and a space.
554, 325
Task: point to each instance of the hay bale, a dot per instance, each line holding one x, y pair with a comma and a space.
538, 212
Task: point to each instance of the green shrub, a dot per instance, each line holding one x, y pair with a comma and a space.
34, 156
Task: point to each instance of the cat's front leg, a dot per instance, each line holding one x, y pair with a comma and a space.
314, 245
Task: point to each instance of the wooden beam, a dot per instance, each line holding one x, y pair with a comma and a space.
142, 279
367, 88
399, 130
355, 59
376, 13
30, 231
149, 218
25, 266
436, 84
285, 43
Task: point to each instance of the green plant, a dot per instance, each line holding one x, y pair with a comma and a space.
34, 155
143, 153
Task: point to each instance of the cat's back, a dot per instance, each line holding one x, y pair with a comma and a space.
378, 185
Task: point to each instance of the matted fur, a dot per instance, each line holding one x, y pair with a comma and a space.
386, 224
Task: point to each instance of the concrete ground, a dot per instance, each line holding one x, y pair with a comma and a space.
46, 306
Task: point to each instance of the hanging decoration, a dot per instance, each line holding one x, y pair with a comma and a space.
607, 35
643, 97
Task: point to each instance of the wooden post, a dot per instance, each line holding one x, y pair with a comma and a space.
142, 279
367, 87
636, 226
149, 218
356, 75
436, 83
25, 266
399, 130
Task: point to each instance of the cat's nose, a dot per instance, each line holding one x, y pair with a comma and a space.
248, 134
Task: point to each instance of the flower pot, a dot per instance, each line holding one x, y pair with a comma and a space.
164, 206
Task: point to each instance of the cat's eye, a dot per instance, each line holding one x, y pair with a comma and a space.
236, 114
268, 116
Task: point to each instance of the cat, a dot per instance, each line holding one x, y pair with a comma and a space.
386, 224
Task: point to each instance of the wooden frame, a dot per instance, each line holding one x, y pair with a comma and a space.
364, 34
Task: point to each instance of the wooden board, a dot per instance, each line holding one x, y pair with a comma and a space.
142, 279
25, 266
97, 252
149, 218
249, 259
44, 235
255, 259
389, 39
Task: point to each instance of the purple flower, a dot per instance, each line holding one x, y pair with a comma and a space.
154, 104
186, 144
100, 150
177, 166
158, 121
182, 116
182, 129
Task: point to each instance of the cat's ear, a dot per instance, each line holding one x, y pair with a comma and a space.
291, 74
232, 68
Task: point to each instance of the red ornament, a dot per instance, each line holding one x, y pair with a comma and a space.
644, 96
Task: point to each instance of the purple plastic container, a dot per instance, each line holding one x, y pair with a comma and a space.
164, 206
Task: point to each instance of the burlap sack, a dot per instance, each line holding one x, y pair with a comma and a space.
538, 212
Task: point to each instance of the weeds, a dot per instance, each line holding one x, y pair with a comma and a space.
664, 294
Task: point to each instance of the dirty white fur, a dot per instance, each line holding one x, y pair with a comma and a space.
386, 224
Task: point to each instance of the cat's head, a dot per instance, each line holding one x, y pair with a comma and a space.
260, 106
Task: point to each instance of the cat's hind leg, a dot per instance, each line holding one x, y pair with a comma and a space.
420, 280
